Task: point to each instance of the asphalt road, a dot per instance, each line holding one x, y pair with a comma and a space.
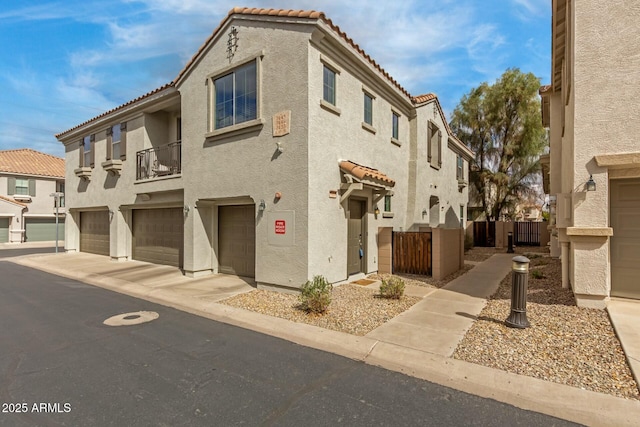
62, 366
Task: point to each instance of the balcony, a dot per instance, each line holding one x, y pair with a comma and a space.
159, 162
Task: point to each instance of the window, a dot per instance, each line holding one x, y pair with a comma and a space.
387, 203
236, 96
460, 168
434, 140
329, 85
179, 129
395, 124
22, 187
115, 141
86, 158
60, 189
368, 109
461, 216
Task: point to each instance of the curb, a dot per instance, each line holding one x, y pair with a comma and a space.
558, 400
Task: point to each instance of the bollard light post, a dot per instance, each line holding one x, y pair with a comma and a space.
510, 242
519, 282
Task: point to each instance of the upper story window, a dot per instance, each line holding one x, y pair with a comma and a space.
387, 203
116, 142
395, 125
460, 168
86, 151
236, 96
434, 145
22, 187
329, 85
59, 189
368, 109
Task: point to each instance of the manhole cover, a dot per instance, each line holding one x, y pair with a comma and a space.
128, 319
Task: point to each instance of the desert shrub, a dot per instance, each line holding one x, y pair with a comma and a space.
392, 288
316, 295
468, 242
536, 274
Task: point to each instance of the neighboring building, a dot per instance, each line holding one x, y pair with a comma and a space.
27, 209
277, 153
592, 111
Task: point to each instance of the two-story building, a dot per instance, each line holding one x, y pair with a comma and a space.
28, 178
277, 153
592, 172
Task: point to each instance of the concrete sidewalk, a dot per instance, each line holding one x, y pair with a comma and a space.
418, 342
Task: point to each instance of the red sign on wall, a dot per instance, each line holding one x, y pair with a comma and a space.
280, 226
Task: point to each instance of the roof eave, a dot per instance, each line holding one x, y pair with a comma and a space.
156, 96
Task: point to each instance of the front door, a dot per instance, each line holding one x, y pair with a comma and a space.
625, 242
356, 236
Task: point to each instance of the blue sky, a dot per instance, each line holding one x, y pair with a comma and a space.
64, 62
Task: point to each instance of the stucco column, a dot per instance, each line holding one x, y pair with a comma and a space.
72, 232
564, 256
198, 229
120, 234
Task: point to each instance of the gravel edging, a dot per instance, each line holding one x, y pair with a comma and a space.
354, 309
565, 344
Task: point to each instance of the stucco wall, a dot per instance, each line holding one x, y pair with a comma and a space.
249, 165
110, 191
447, 251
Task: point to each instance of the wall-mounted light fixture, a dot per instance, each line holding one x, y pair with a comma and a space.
424, 212
591, 184
376, 211
262, 206
186, 210
279, 148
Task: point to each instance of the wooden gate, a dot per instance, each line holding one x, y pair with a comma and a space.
527, 233
412, 252
484, 233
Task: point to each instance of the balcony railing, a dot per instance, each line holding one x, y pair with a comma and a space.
159, 161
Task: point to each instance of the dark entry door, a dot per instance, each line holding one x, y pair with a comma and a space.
355, 239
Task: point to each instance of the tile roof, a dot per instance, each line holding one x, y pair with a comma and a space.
9, 200
423, 98
31, 162
310, 14
544, 89
133, 101
362, 172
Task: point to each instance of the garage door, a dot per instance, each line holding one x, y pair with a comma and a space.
237, 240
94, 232
158, 236
4, 230
625, 242
43, 229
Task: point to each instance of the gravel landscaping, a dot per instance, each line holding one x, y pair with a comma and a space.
354, 309
564, 344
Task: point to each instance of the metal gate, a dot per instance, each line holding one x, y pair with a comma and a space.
527, 233
484, 233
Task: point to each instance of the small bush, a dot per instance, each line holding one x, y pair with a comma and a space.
316, 295
392, 288
536, 274
468, 242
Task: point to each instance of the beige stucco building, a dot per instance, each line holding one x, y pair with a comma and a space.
593, 168
28, 178
277, 153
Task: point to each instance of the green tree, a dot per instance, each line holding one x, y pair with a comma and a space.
501, 123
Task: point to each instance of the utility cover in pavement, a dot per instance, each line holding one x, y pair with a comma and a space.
128, 319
